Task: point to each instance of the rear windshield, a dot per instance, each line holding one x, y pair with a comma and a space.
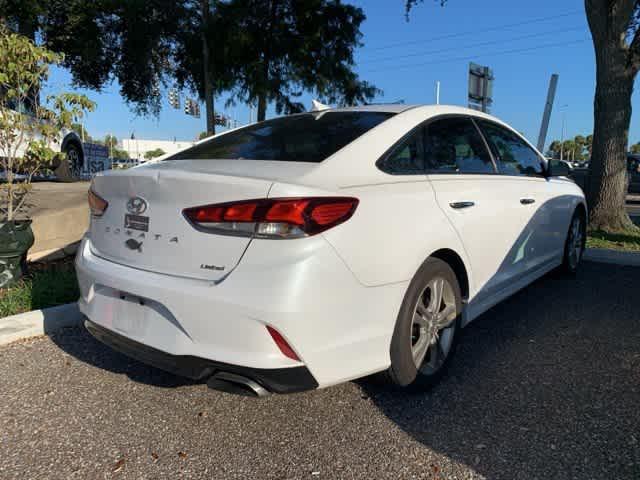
308, 137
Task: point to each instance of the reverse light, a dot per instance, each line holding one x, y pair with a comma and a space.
97, 204
273, 217
282, 344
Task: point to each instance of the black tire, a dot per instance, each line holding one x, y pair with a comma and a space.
403, 371
569, 264
71, 166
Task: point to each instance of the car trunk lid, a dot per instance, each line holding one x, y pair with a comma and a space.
143, 225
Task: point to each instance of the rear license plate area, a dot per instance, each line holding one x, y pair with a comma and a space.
129, 314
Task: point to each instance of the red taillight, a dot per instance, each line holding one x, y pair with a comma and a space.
282, 344
273, 217
97, 204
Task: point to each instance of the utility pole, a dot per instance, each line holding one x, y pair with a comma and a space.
485, 89
544, 127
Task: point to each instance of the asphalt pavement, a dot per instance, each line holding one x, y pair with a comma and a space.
544, 386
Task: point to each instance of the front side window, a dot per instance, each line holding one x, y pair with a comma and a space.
307, 137
513, 155
407, 158
453, 145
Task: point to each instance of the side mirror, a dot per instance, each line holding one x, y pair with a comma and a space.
559, 168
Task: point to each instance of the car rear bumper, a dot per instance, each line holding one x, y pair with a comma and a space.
338, 328
276, 380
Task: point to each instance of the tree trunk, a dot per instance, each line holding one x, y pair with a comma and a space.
266, 62
262, 107
607, 186
207, 74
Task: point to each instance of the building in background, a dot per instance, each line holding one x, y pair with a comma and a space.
136, 148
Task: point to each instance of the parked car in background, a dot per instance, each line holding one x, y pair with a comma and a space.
316, 248
69, 143
581, 174
633, 171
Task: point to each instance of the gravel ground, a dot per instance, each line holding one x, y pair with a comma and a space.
545, 385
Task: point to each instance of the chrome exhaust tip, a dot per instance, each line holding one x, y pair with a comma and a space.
236, 384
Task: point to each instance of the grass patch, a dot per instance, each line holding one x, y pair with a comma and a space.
46, 285
626, 241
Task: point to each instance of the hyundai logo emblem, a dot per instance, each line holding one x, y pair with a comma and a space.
136, 205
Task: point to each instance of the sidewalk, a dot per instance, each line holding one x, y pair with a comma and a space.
60, 216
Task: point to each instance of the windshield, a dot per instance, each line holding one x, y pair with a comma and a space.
307, 137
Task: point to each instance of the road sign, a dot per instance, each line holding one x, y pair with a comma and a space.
480, 87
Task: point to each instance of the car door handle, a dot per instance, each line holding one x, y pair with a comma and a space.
459, 205
527, 201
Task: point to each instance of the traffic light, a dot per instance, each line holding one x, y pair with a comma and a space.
191, 107
174, 99
221, 120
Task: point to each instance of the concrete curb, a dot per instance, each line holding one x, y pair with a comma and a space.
38, 322
616, 257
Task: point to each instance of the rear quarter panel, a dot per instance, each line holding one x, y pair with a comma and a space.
395, 228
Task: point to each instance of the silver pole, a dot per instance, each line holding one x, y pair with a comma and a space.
551, 94
438, 92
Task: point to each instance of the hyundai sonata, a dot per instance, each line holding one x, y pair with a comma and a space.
316, 248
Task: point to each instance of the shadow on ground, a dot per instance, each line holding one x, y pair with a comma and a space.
545, 385
93, 352
549, 378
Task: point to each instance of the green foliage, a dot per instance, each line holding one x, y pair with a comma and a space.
577, 149
49, 287
281, 49
628, 240
29, 128
111, 142
151, 154
203, 135
261, 51
635, 148
81, 132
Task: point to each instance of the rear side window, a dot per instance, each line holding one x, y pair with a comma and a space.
513, 155
453, 145
307, 137
407, 158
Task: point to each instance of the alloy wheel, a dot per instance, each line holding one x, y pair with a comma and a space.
73, 159
432, 328
575, 242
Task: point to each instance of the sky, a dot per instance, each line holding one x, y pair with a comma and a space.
522, 42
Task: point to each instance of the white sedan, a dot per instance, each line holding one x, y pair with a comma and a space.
316, 248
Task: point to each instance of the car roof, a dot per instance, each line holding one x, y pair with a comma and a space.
425, 109
402, 107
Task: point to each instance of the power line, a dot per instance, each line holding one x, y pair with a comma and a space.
472, 57
482, 44
475, 32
